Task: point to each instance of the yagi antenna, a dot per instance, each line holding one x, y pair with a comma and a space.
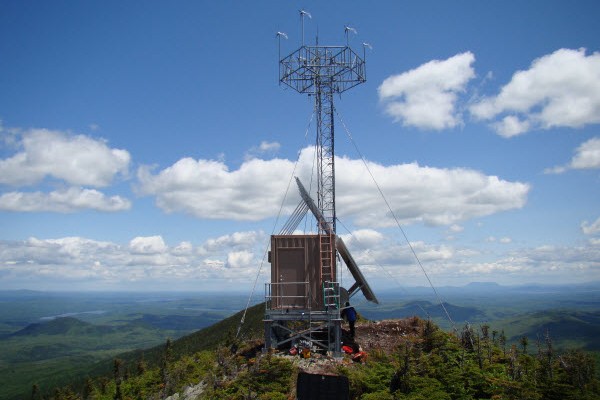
302, 14
349, 29
279, 36
365, 45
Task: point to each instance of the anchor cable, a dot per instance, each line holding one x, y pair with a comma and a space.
392, 277
243, 319
396, 220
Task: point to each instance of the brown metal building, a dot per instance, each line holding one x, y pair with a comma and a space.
298, 278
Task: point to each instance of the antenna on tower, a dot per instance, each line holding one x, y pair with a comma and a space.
279, 36
365, 45
302, 14
349, 29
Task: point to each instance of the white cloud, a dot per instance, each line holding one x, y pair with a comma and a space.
262, 149
456, 228
147, 245
591, 229
386, 253
207, 189
150, 263
237, 240
587, 156
503, 240
561, 89
426, 97
212, 265
239, 259
448, 264
433, 196
511, 126
429, 253
64, 201
269, 146
363, 238
76, 160
33, 254
145, 263
183, 249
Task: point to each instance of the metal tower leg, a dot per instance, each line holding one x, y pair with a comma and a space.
268, 326
337, 346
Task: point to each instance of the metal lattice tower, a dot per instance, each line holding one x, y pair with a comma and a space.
304, 285
323, 71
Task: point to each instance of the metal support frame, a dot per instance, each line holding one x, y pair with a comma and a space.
281, 309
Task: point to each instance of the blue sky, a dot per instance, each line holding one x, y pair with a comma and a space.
148, 145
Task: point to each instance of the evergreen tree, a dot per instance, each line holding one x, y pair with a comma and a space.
502, 341
168, 351
479, 351
524, 343
35, 392
514, 369
103, 384
117, 364
549, 354
579, 368
466, 338
141, 365
88, 389
164, 369
485, 332
428, 336
401, 379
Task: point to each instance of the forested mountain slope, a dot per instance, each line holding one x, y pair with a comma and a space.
403, 359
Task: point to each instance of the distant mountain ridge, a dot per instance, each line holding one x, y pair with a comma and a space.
426, 309
62, 326
566, 329
483, 285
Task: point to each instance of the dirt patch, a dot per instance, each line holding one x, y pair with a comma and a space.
387, 335
384, 336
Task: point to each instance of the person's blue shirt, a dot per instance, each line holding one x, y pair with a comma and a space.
349, 313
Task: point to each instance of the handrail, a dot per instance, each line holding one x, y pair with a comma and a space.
280, 295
